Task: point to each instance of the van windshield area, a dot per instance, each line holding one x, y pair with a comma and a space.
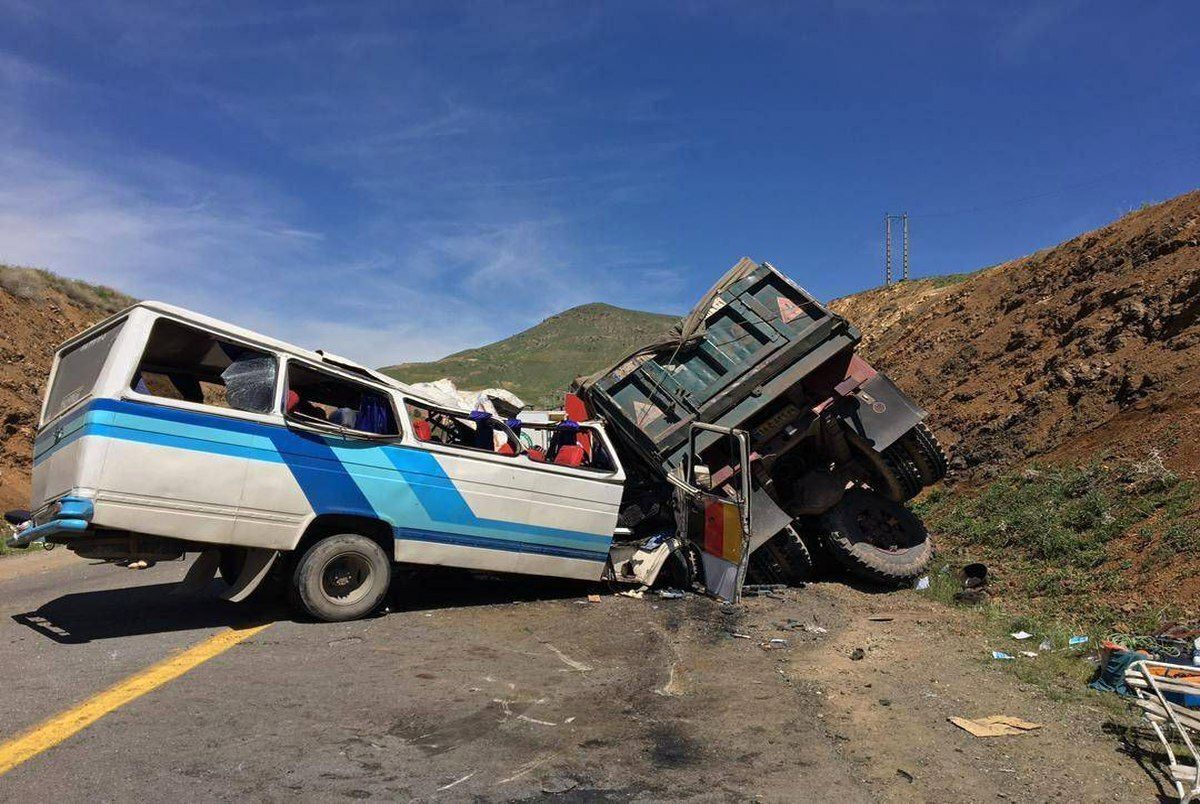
324, 398
188, 364
478, 430
78, 369
567, 443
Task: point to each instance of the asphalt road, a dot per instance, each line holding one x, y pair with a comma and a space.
476, 689
483, 690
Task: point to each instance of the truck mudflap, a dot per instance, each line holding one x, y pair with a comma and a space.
878, 412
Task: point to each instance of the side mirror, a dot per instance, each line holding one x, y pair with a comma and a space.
701, 477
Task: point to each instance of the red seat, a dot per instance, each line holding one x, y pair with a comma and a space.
422, 429
570, 455
506, 449
536, 454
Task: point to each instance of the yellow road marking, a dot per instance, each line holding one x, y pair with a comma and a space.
55, 729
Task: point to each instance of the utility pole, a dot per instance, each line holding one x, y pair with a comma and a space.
887, 246
887, 249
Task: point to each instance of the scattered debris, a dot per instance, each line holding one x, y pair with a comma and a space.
577, 666
670, 594
858, 654
772, 644
593, 598
905, 775
999, 654
1046, 645
881, 619
816, 629
994, 726
736, 635
922, 583
974, 576
763, 589
1020, 635
524, 769
457, 781
1077, 640
971, 596
559, 784
637, 594
1032, 654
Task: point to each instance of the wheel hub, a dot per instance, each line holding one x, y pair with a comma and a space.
344, 578
883, 530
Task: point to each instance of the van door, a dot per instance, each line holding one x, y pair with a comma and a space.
65, 458
507, 513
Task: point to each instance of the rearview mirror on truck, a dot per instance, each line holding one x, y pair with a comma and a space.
701, 477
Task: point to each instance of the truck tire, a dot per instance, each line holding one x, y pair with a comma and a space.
877, 539
341, 577
926, 453
785, 558
891, 472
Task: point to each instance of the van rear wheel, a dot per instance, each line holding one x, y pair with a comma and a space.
341, 577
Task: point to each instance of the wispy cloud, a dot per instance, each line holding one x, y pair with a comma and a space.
461, 210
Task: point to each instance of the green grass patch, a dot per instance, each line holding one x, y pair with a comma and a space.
1067, 542
6, 551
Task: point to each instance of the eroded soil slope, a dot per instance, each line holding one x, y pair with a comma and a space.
38, 311
1091, 346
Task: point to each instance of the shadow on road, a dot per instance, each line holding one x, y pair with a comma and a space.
449, 588
82, 617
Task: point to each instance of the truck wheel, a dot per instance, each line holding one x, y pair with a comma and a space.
877, 539
892, 472
923, 448
785, 558
341, 577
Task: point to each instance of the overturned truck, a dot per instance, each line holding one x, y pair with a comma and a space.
755, 415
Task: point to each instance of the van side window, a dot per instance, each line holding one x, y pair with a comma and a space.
478, 430
325, 398
189, 364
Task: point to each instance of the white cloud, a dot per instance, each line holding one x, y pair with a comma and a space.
230, 257
460, 215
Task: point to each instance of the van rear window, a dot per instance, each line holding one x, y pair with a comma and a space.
189, 364
78, 369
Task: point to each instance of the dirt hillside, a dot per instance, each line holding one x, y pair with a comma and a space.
1090, 346
38, 311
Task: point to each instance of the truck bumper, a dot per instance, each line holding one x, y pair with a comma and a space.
68, 516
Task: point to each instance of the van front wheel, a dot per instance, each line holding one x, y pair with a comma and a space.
342, 577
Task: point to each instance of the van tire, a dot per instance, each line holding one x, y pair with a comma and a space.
877, 539
341, 577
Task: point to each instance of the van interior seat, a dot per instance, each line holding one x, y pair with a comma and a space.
570, 455
422, 429
506, 449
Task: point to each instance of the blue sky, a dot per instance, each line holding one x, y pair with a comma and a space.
396, 181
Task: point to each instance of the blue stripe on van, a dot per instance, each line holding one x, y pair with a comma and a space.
461, 540
396, 483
